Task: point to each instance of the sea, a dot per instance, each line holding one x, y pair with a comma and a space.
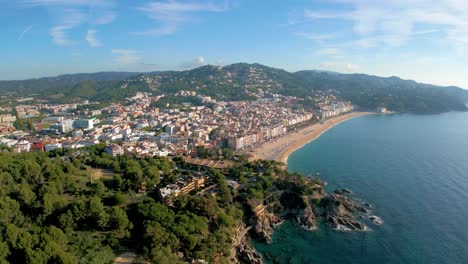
413, 169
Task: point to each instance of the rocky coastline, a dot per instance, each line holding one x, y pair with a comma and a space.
336, 209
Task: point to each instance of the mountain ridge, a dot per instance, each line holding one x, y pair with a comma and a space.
131, 74
244, 81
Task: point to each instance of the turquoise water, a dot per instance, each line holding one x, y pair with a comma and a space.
413, 169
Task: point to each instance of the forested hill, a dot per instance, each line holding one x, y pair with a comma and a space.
242, 81
46, 84
394, 93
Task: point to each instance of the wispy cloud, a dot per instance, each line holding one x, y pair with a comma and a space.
59, 35
92, 40
392, 23
316, 37
72, 13
172, 14
106, 18
70, 19
67, 2
125, 57
327, 52
338, 67
20, 37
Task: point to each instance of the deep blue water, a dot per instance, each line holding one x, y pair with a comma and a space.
412, 168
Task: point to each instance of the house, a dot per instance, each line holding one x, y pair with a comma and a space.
186, 185
114, 150
37, 147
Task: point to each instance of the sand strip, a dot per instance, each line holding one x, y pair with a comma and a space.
279, 149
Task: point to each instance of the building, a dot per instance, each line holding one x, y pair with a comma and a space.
8, 142
49, 147
186, 185
6, 130
7, 119
37, 147
114, 150
236, 143
77, 134
96, 112
68, 125
53, 119
83, 123
21, 147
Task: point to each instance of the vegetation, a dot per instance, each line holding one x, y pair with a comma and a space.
56, 208
368, 92
371, 92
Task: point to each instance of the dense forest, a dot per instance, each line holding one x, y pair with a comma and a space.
83, 206
243, 81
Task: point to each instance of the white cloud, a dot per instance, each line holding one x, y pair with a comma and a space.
194, 63
20, 37
200, 60
172, 14
92, 40
124, 57
392, 23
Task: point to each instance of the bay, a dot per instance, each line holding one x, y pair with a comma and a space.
412, 168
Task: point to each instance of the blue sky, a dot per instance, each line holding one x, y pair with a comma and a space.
424, 40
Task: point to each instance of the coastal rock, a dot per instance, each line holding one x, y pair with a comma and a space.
246, 254
307, 219
265, 225
340, 212
375, 219
243, 252
343, 191
336, 209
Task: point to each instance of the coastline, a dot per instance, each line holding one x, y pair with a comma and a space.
280, 149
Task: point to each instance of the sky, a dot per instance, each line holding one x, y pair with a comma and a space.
423, 40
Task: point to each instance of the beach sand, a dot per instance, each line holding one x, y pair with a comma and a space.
280, 148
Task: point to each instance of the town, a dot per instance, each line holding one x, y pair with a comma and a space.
141, 127
136, 126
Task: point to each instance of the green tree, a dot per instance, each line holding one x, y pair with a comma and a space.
119, 198
4, 252
152, 175
119, 220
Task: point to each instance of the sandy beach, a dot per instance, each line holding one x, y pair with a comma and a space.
279, 149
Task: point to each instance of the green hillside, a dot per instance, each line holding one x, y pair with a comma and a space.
242, 81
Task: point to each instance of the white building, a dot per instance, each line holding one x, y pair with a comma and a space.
114, 150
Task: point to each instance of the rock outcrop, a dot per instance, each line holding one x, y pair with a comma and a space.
264, 223
304, 206
243, 252
338, 210
341, 212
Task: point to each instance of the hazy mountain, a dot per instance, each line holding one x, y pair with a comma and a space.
61, 81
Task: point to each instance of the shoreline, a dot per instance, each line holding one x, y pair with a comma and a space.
280, 149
